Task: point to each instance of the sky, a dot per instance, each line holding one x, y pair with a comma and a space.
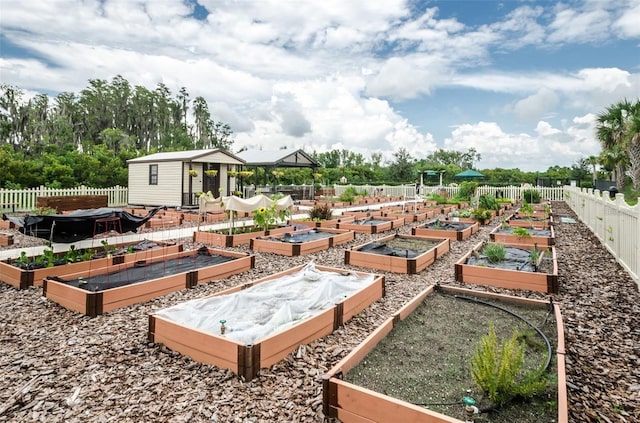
520, 81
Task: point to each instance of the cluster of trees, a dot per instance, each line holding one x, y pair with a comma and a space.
619, 133
86, 138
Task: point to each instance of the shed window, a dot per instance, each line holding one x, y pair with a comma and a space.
153, 174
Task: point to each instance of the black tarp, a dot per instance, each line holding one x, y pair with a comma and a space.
79, 224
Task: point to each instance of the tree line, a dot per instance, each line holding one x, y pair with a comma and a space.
86, 138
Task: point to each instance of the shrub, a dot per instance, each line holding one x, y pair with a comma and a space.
496, 369
320, 212
467, 190
488, 202
520, 232
481, 215
495, 252
531, 196
348, 195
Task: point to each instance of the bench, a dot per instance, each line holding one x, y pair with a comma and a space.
73, 202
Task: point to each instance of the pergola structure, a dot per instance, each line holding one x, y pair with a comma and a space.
271, 160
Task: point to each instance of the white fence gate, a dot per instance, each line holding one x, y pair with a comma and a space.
25, 199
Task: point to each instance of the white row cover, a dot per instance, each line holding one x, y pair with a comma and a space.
208, 203
269, 307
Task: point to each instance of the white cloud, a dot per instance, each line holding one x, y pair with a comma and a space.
536, 105
628, 24
546, 147
579, 26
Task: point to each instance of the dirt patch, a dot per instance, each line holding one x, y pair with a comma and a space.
426, 359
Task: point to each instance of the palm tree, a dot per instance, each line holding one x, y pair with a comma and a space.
633, 140
610, 131
593, 161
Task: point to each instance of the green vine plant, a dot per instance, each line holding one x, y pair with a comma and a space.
496, 368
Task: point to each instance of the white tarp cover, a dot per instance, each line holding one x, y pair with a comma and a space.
269, 307
208, 203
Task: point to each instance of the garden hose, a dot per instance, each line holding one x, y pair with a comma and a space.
499, 307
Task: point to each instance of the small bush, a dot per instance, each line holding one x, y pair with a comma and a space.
481, 215
320, 212
531, 196
467, 190
488, 202
495, 252
348, 195
496, 369
521, 232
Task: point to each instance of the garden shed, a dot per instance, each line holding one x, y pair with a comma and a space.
174, 178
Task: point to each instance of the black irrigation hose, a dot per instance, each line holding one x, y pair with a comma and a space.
513, 313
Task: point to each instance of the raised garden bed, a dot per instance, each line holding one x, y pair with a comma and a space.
530, 222
513, 235
373, 225
422, 355
363, 214
302, 242
456, 231
410, 216
223, 239
256, 334
30, 271
106, 289
329, 223
398, 253
518, 270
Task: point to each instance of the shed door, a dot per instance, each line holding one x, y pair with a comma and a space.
211, 183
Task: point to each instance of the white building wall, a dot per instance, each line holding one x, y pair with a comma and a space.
166, 193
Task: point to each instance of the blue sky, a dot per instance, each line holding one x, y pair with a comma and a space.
521, 81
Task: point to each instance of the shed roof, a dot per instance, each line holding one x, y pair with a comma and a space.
278, 158
182, 156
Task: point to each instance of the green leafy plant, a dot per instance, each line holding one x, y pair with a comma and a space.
488, 202
348, 195
467, 190
495, 252
72, 255
531, 196
521, 232
496, 368
481, 215
320, 212
22, 261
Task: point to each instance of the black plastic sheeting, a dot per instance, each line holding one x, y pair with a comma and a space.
79, 224
387, 250
145, 272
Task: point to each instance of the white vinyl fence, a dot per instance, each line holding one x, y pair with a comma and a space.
613, 221
513, 192
25, 199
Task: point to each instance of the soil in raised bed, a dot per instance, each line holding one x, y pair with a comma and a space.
515, 259
142, 272
426, 358
532, 231
294, 238
399, 247
369, 222
448, 226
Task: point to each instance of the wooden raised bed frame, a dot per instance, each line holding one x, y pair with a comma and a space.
223, 240
526, 223
411, 266
99, 302
511, 239
506, 278
247, 360
423, 230
353, 404
339, 236
22, 279
390, 223
331, 223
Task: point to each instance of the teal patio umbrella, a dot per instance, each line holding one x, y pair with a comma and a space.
469, 174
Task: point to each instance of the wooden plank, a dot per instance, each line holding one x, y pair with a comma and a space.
381, 408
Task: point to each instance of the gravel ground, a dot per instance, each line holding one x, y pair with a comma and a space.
57, 365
